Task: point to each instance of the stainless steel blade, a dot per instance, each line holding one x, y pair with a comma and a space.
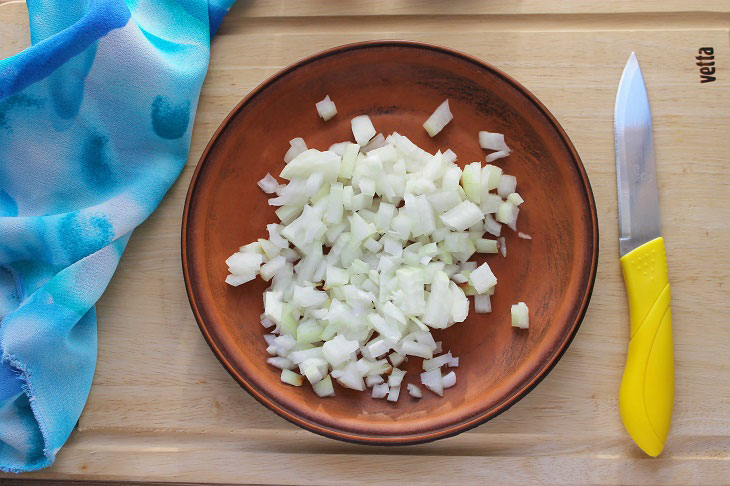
638, 203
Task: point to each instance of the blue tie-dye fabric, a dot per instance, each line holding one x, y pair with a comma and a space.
95, 122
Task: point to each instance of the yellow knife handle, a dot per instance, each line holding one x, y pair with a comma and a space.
647, 388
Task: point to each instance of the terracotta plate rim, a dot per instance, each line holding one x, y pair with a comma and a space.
452, 429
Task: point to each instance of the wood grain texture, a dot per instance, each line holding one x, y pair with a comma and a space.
163, 409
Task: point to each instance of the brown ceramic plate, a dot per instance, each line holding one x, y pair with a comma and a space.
398, 84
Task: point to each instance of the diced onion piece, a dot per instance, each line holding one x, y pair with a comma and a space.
378, 141
334, 204
272, 267
416, 349
348, 161
490, 203
506, 212
515, 199
436, 362
339, 148
491, 177
281, 363
463, 216
338, 350
373, 380
502, 243
350, 378
362, 129
432, 380
471, 181
393, 394
439, 119
486, 246
268, 184
396, 377
309, 297
326, 108
507, 185
396, 359
491, 226
482, 278
236, 280
312, 371
492, 141
297, 146
449, 379
520, 315
414, 391
286, 342
497, 155
459, 303
524, 236
244, 263
324, 388
309, 162
438, 308
482, 304
336, 277
453, 362
291, 378
379, 391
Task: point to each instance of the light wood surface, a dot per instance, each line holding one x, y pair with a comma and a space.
163, 409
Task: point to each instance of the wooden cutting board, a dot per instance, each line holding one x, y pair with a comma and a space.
163, 409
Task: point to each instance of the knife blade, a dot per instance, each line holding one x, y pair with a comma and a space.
646, 395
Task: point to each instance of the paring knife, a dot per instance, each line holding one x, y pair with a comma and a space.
647, 388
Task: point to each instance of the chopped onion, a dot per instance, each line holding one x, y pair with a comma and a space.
482, 278
486, 246
268, 184
482, 304
414, 391
393, 394
449, 379
297, 146
524, 236
507, 185
326, 108
291, 378
396, 359
497, 155
492, 141
437, 362
396, 377
378, 141
379, 391
362, 129
324, 387
432, 380
281, 363
502, 243
373, 380
520, 315
372, 253
515, 199
491, 226
439, 119
339, 148
463, 216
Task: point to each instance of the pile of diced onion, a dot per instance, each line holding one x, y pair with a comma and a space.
372, 252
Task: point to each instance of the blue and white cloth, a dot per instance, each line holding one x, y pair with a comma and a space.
95, 123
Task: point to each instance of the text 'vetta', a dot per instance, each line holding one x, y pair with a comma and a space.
706, 63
